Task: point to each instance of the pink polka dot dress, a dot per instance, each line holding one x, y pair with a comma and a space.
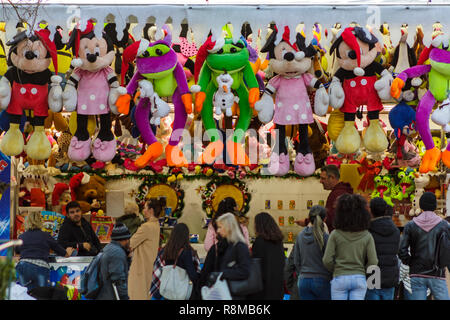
93, 91
292, 105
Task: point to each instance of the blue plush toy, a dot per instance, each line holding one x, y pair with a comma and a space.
403, 121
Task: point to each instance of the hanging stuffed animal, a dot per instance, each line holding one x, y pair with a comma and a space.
186, 53
157, 63
224, 98
439, 83
355, 84
159, 108
441, 116
418, 45
292, 106
215, 58
92, 89
25, 87
404, 56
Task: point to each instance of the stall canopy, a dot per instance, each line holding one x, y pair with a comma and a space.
205, 16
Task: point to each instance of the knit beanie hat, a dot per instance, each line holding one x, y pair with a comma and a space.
428, 202
120, 232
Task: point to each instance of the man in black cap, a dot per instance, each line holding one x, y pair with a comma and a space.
114, 265
420, 235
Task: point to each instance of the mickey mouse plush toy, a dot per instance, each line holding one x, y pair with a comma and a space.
92, 89
25, 87
355, 84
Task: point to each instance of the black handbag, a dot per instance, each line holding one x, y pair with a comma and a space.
252, 284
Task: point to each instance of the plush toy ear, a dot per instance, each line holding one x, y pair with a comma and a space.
300, 42
269, 46
335, 45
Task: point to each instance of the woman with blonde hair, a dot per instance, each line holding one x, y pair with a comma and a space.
144, 245
33, 269
314, 279
235, 262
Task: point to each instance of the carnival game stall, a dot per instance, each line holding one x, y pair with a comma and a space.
195, 103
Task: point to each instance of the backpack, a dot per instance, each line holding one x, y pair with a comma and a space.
90, 281
174, 282
442, 257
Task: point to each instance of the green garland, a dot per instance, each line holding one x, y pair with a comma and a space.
216, 181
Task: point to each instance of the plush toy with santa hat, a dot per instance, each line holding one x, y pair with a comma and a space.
92, 90
25, 89
61, 196
356, 84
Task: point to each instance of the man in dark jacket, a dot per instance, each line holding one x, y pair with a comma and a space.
329, 178
387, 240
77, 233
421, 235
114, 265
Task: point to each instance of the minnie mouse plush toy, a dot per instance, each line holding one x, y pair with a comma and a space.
25, 87
355, 84
92, 89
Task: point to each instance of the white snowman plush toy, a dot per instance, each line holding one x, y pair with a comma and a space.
224, 98
159, 108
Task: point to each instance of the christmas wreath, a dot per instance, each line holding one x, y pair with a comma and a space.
221, 187
159, 186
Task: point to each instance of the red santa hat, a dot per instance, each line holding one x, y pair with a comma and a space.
44, 37
83, 28
58, 190
130, 53
350, 39
76, 181
209, 46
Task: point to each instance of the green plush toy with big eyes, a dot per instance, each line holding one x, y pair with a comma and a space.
404, 189
215, 58
383, 188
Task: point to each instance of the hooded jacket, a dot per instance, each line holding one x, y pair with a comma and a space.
420, 235
350, 253
338, 190
308, 256
387, 241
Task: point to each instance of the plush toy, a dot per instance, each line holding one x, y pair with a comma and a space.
355, 84
157, 64
404, 56
216, 57
33, 191
61, 196
159, 108
292, 106
25, 87
441, 115
439, 83
418, 45
186, 53
405, 187
420, 182
224, 98
383, 188
93, 90
85, 189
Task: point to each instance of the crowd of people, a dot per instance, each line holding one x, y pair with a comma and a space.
348, 250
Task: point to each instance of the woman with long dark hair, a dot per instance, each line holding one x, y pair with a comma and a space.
177, 248
350, 249
227, 205
313, 277
144, 245
268, 246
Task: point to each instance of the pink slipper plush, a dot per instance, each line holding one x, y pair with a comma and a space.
304, 164
79, 150
274, 163
284, 165
104, 150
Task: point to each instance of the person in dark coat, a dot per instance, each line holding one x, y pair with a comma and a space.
77, 233
268, 246
235, 263
387, 241
114, 265
418, 248
33, 270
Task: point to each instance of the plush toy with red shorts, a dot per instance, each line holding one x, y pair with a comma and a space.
355, 84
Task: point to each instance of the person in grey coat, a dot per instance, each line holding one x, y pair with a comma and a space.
313, 277
114, 265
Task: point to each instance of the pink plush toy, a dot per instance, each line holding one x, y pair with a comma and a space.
291, 63
92, 89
